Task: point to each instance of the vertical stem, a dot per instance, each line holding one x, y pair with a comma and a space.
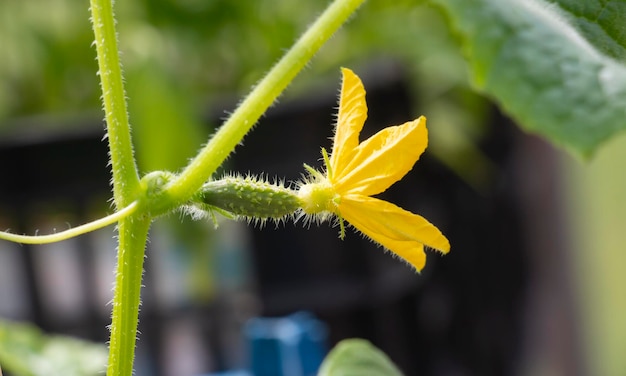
257, 102
125, 176
133, 234
133, 230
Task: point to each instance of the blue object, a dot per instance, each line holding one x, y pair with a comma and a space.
294, 345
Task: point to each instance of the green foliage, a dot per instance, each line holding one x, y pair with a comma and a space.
599, 21
357, 357
552, 68
47, 63
210, 47
26, 351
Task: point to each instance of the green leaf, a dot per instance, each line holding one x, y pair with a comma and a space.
600, 22
557, 68
357, 357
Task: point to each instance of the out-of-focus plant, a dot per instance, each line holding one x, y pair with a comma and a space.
357, 357
26, 351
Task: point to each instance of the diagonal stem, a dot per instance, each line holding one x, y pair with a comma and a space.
256, 103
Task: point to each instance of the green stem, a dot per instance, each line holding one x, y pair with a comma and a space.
257, 102
73, 232
133, 230
125, 176
133, 234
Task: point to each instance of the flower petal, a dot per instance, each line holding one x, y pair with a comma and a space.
398, 230
350, 121
383, 159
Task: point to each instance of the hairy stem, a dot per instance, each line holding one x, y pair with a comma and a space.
133, 230
125, 176
133, 235
247, 114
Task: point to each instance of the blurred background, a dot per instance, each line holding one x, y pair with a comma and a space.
531, 287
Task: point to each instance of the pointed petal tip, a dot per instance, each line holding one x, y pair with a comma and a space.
440, 244
419, 264
347, 71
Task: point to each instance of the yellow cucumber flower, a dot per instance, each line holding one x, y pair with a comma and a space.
356, 171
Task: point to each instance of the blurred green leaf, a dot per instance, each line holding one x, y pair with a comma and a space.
357, 357
552, 66
26, 351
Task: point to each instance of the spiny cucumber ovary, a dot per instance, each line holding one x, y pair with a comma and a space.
250, 197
